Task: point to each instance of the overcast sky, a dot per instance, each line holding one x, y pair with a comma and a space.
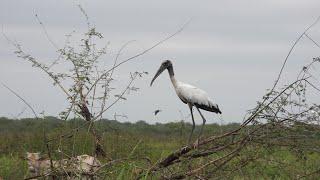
231, 49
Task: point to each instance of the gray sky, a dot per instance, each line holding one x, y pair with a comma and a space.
231, 49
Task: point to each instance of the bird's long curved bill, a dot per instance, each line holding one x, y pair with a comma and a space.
160, 70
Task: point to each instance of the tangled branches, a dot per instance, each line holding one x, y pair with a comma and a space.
286, 119
282, 119
86, 83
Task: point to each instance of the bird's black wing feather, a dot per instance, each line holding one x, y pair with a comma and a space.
208, 108
183, 100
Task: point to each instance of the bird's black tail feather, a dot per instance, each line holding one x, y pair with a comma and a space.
209, 108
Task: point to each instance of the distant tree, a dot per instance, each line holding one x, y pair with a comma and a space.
85, 82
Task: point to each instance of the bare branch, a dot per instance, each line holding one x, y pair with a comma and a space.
22, 99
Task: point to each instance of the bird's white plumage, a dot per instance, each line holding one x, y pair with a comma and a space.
192, 94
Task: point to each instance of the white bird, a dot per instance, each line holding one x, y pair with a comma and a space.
190, 95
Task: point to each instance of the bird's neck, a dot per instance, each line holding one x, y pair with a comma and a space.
171, 74
170, 71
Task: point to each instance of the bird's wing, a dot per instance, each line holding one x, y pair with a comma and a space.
192, 94
188, 93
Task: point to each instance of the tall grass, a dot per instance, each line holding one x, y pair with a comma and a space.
138, 147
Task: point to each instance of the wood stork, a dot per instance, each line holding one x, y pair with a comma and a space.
190, 95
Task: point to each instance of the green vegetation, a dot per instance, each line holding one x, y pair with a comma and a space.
138, 146
279, 138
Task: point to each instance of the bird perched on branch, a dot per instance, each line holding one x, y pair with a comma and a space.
190, 95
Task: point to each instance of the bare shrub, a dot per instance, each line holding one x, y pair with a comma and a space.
85, 83
284, 119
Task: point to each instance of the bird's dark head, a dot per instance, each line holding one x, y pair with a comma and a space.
164, 65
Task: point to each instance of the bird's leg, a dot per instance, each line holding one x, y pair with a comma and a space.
203, 123
193, 124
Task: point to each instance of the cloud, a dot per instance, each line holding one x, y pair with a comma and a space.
228, 45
